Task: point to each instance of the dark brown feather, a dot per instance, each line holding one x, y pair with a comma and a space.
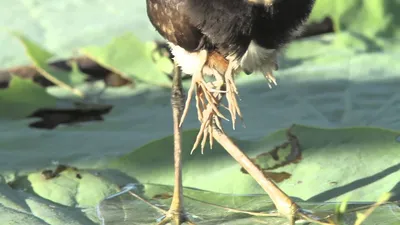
232, 24
169, 20
228, 27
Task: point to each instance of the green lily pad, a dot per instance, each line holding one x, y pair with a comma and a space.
146, 203
129, 56
40, 58
334, 163
371, 18
20, 207
22, 98
342, 89
53, 26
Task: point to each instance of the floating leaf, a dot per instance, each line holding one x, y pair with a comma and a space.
40, 58
129, 56
22, 98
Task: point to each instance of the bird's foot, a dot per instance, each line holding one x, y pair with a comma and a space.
269, 76
204, 98
231, 93
175, 218
175, 215
209, 119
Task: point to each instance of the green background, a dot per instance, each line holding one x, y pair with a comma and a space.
340, 89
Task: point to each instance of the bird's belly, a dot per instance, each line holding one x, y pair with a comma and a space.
192, 62
256, 59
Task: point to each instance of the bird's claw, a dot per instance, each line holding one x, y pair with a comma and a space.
233, 106
177, 218
209, 119
204, 98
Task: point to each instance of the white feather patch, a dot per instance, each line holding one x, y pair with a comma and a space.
188, 61
191, 62
258, 59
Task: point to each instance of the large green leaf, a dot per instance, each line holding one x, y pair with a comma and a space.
334, 163
344, 96
370, 18
22, 98
40, 59
62, 27
215, 208
52, 24
130, 57
90, 188
331, 93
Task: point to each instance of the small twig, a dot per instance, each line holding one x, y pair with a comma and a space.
310, 219
147, 202
369, 211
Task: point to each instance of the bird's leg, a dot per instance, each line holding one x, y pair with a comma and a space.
285, 206
213, 130
176, 213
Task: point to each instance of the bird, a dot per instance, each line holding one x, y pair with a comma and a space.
218, 39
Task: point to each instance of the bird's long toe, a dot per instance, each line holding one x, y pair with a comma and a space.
175, 218
233, 106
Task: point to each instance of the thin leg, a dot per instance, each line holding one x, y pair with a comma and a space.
176, 212
283, 203
212, 128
